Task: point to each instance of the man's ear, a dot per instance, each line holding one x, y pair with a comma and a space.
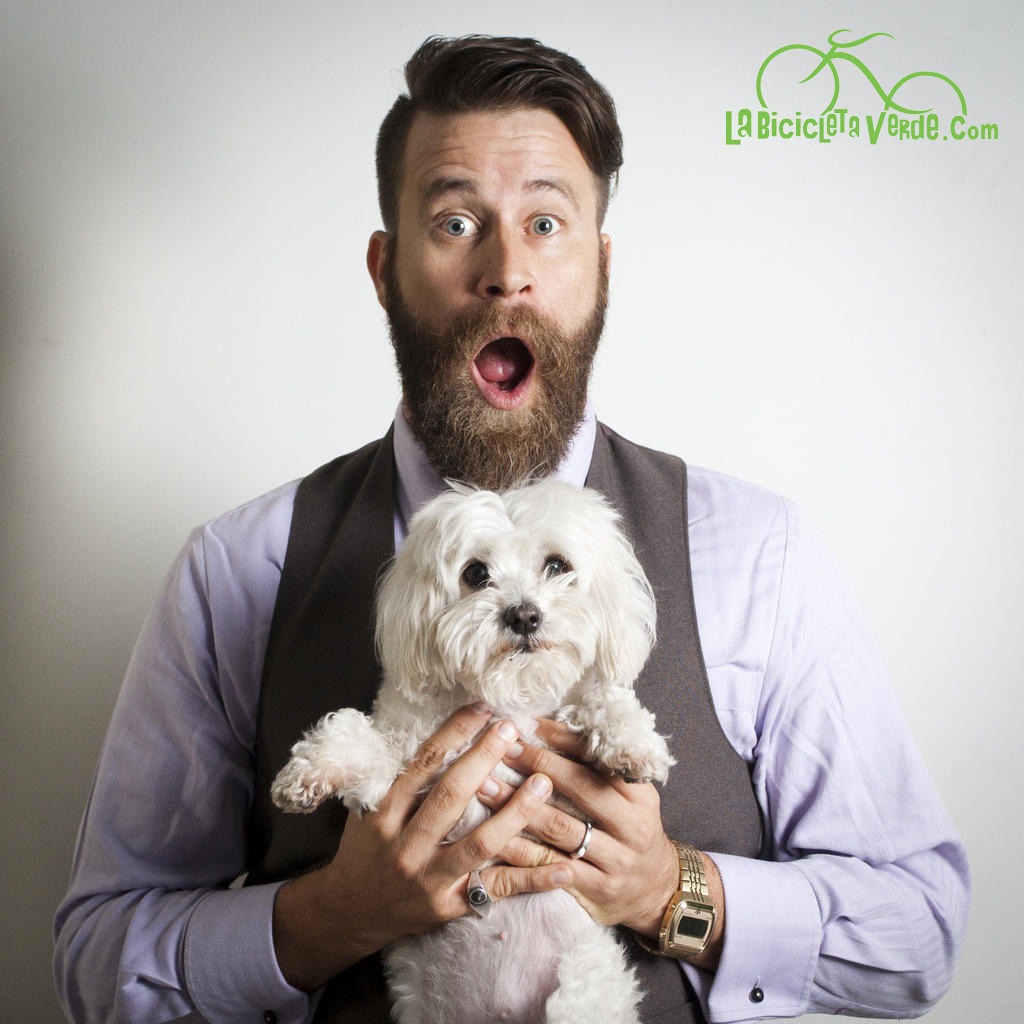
376, 259
606, 245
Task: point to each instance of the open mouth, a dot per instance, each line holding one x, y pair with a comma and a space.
502, 370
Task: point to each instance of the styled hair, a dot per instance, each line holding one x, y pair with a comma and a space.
483, 73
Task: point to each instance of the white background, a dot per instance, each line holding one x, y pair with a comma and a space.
186, 191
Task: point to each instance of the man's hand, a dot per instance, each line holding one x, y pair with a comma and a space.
393, 875
630, 870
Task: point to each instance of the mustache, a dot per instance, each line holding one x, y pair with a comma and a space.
473, 328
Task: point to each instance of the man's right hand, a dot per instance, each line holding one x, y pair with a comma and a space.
393, 874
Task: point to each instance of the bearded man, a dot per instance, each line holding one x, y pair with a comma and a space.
495, 173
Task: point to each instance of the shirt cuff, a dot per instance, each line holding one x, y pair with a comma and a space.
772, 937
230, 966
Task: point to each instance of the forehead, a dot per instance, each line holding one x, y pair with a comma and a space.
520, 150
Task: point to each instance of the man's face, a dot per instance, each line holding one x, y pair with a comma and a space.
495, 289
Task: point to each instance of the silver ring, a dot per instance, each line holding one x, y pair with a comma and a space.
582, 848
479, 898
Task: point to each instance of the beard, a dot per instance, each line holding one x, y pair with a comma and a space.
466, 438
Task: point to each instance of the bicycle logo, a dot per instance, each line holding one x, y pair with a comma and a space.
839, 51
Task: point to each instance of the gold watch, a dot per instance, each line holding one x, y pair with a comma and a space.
689, 919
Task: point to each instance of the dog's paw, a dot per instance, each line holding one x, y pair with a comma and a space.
620, 735
343, 755
301, 786
638, 764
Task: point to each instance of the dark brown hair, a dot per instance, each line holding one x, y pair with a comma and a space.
474, 73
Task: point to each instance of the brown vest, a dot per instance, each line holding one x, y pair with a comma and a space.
320, 656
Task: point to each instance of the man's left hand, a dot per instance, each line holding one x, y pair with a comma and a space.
630, 870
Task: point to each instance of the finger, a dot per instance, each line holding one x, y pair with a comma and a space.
488, 839
456, 733
558, 736
525, 852
551, 824
581, 784
505, 880
598, 796
444, 805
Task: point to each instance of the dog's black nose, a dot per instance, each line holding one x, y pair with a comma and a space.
523, 619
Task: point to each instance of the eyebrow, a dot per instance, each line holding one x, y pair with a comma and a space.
440, 187
554, 185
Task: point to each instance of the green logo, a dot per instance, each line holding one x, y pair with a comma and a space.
899, 120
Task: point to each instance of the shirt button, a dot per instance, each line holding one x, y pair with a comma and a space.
756, 995
269, 1017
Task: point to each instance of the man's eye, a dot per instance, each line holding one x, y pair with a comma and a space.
555, 565
544, 225
457, 227
476, 575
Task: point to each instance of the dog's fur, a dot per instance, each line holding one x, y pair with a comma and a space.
533, 602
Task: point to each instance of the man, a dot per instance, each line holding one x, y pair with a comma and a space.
834, 880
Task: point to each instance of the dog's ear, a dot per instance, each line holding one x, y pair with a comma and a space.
409, 599
624, 600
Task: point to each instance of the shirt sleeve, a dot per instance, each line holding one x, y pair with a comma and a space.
860, 901
150, 929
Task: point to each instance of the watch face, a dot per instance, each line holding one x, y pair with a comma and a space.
691, 926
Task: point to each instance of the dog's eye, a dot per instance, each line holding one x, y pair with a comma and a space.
476, 575
555, 565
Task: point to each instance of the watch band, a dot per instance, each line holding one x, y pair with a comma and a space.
689, 918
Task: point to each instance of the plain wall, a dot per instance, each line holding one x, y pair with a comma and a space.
186, 191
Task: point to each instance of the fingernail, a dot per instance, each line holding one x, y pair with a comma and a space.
561, 877
516, 750
480, 708
489, 788
541, 785
507, 731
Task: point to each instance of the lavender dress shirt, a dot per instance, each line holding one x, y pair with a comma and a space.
859, 907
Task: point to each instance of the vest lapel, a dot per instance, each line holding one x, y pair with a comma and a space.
709, 799
320, 652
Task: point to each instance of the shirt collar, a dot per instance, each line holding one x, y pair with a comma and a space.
417, 480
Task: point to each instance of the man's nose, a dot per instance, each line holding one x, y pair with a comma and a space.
506, 267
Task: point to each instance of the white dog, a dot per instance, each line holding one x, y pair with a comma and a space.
533, 602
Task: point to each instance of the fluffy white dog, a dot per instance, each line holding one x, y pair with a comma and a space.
533, 602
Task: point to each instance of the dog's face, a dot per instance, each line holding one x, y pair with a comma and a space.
515, 598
